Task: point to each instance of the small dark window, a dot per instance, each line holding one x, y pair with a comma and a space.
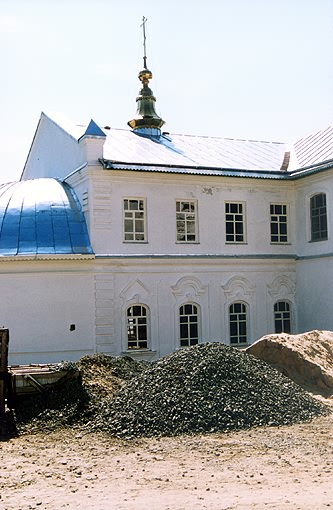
188, 325
278, 223
238, 323
282, 317
318, 214
234, 223
137, 327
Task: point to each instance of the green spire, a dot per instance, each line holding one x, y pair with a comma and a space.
146, 117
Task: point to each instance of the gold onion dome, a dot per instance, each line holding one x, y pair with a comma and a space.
146, 116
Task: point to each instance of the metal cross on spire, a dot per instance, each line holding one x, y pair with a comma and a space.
144, 21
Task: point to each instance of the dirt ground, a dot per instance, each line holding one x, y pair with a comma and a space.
288, 467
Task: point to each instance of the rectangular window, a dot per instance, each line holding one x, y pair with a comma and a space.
278, 223
234, 222
318, 217
188, 325
282, 317
186, 221
134, 220
238, 323
137, 327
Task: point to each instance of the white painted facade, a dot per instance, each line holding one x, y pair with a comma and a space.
60, 307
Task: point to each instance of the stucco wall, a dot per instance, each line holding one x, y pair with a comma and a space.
53, 153
315, 293
40, 303
163, 285
161, 192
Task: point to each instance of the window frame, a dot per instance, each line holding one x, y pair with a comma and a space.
186, 221
136, 326
321, 234
188, 338
282, 318
234, 222
279, 223
239, 334
136, 233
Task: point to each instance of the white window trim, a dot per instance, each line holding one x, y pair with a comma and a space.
145, 235
270, 222
247, 307
196, 233
309, 197
291, 312
244, 241
198, 323
148, 316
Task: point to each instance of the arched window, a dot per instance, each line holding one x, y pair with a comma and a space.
238, 323
137, 327
188, 325
318, 215
282, 317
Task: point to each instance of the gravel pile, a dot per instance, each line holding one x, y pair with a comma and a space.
206, 388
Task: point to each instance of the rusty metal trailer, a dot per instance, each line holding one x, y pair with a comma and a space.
20, 380
38, 378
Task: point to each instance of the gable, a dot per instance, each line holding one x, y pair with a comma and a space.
55, 151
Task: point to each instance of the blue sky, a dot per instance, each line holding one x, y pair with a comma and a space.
255, 69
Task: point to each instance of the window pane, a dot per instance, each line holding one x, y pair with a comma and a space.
193, 330
188, 309
142, 332
128, 226
183, 331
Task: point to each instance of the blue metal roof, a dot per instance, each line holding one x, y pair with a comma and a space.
41, 216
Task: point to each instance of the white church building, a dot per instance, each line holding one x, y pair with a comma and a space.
138, 242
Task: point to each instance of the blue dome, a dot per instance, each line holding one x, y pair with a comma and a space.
41, 216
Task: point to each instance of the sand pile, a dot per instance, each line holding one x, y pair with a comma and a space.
307, 358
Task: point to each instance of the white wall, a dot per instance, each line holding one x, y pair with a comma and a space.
53, 153
39, 302
163, 285
315, 294
305, 188
161, 192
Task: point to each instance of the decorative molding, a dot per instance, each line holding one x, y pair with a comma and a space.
282, 287
135, 292
189, 287
238, 288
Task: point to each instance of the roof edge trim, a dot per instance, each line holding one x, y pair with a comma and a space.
117, 165
23, 258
